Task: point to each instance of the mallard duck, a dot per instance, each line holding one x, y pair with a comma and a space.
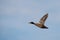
41, 22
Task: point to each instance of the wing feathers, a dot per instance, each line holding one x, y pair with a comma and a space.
43, 19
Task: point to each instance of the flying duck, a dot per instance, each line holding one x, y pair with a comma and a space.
41, 22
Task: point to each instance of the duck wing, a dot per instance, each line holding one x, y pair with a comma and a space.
43, 19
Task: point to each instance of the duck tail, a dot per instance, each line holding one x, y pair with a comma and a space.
46, 27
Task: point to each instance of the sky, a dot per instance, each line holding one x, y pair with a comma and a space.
15, 16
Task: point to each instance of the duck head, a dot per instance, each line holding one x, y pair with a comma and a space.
32, 23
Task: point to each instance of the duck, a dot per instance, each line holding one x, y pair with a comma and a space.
41, 23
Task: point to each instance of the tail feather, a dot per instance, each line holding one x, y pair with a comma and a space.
45, 27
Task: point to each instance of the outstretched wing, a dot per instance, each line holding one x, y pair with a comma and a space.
43, 19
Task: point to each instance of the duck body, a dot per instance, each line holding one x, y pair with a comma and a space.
41, 22
39, 25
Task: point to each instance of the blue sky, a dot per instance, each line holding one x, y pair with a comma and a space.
15, 16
